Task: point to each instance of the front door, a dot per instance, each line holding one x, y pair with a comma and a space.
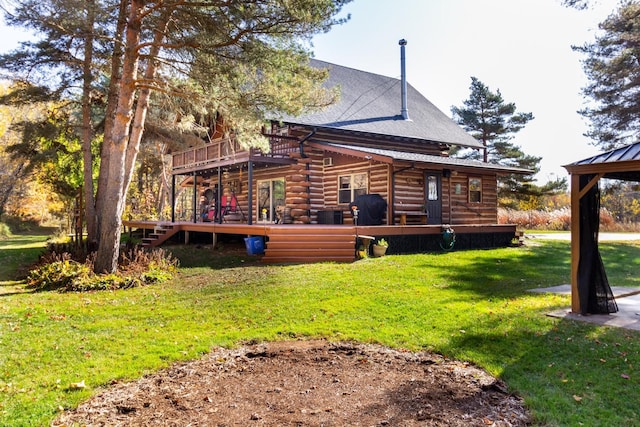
433, 197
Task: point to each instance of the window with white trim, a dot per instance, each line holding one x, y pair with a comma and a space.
432, 187
475, 190
352, 186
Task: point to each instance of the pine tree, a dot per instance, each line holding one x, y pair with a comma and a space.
493, 122
74, 39
244, 59
612, 67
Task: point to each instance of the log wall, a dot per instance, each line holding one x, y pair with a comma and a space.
377, 180
409, 193
312, 186
465, 212
409, 197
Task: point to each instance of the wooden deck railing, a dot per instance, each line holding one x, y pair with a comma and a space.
223, 150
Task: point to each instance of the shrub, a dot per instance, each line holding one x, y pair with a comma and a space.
5, 231
67, 272
102, 282
59, 274
558, 219
607, 221
139, 260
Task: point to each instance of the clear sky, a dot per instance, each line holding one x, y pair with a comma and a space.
520, 47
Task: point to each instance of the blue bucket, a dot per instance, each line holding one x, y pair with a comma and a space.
255, 245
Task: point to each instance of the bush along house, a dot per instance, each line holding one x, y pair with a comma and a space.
373, 165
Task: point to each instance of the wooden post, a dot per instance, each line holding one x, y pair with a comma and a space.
575, 241
250, 192
173, 198
391, 206
195, 197
219, 197
576, 194
390, 197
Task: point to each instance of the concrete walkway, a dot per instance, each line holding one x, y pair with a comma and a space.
628, 299
628, 315
602, 237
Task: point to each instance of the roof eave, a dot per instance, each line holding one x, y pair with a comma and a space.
364, 154
601, 167
351, 152
380, 135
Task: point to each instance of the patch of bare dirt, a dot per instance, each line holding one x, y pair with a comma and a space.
307, 383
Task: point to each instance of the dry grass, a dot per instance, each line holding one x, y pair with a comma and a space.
560, 220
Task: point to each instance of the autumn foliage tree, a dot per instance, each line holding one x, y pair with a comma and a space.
39, 155
13, 169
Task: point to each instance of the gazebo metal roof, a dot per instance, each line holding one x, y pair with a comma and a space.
622, 163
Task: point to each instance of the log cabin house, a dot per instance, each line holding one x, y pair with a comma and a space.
381, 138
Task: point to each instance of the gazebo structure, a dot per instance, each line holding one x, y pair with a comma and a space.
590, 290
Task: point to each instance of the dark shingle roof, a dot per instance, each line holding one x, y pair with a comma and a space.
435, 160
370, 103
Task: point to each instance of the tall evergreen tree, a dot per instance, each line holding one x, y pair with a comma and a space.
611, 65
577, 4
244, 59
490, 120
73, 44
493, 122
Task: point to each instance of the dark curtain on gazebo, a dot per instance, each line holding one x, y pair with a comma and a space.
594, 291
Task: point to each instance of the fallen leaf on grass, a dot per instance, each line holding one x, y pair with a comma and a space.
577, 398
625, 376
77, 386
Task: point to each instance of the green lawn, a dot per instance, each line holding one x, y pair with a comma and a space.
469, 305
16, 254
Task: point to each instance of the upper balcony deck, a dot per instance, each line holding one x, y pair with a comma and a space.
227, 152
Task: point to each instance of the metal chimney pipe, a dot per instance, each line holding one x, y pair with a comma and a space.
403, 81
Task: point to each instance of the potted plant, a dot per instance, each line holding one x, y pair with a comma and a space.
362, 253
380, 248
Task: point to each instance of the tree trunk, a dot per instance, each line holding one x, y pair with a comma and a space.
164, 193
112, 103
5, 194
87, 128
142, 105
115, 147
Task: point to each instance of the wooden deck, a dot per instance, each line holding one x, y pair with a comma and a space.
315, 242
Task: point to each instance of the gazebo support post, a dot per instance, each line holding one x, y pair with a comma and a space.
576, 194
575, 241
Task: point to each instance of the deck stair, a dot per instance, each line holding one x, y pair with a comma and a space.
293, 244
161, 233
